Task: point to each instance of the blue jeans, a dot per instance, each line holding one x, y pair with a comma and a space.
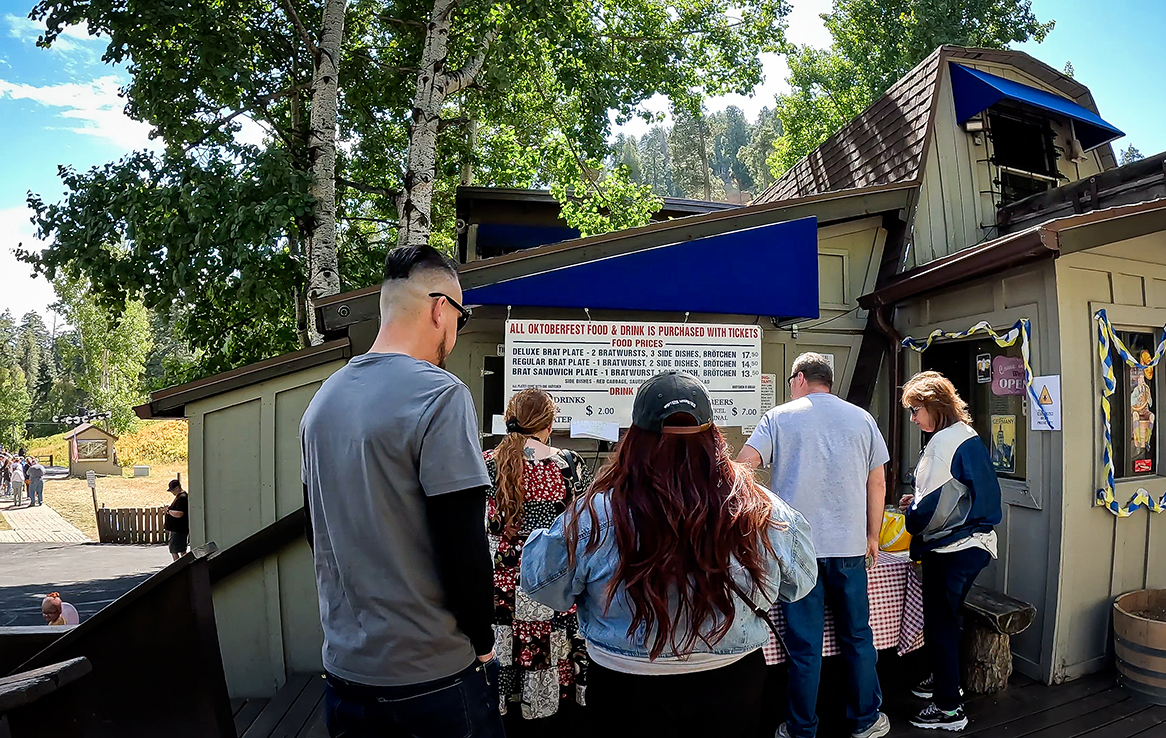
842, 583
464, 705
36, 492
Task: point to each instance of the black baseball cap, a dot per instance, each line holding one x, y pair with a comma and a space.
667, 394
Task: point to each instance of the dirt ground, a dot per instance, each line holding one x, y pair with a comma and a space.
72, 499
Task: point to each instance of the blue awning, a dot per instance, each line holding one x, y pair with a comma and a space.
770, 270
975, 91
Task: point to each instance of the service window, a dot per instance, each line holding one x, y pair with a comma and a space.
1024, 153
1132, 413
991, 380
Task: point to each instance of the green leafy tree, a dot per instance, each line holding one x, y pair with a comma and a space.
32, 349
1068, 70
14, 404
690, 145
656, 162
731, 133
245, 236
876, 42
626, 153
109, 352
1129, 155
755, 152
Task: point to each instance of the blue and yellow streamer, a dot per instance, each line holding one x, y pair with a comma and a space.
1106, 337
1020, 331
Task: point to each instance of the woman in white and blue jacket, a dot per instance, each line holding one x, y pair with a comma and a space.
950, 518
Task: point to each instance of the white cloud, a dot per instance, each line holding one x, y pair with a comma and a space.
93, 108
28, 30
22, 291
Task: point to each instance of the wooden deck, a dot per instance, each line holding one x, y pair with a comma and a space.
297, 711
1092, 707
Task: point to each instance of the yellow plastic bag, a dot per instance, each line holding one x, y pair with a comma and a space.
894, 535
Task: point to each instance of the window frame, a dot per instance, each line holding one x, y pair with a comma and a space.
82, 458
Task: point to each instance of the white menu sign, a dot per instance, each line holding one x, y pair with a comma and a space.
592, 368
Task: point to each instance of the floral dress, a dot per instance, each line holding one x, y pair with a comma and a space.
543, 657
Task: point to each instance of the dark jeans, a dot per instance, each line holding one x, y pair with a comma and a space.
947, 577
842, 583
724, 702
464, 705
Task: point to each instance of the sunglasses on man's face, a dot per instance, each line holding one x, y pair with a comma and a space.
915, 411
463, 312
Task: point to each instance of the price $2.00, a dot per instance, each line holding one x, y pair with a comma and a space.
600, 411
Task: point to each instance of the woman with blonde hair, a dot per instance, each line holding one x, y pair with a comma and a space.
950, 518
543, 658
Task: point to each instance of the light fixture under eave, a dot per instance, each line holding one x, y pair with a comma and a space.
974, 125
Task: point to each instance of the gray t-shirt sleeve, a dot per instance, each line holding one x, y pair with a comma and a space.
451, 455
878, 447
761, 439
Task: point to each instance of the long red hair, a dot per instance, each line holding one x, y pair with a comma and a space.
681, 510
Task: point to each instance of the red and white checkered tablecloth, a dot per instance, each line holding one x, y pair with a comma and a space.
896, 611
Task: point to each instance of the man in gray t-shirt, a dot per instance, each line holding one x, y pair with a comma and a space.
395, 485
828, 457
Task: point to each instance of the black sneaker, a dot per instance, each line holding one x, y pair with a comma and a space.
925, 690
933, 718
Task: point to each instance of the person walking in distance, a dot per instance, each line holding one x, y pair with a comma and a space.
36, 482
177, 519
402, 561
16, 483
828, 457
543, 657
951, 519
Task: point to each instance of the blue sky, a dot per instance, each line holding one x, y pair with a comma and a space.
61, 106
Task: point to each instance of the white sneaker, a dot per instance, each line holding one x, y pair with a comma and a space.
783, 731
879, 728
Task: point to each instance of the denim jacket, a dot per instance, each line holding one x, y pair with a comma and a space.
548, 579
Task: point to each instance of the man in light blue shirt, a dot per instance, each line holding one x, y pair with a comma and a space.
828, 457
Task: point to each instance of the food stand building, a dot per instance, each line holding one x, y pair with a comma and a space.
930, 211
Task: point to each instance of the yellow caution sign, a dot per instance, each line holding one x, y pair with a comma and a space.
1045, 398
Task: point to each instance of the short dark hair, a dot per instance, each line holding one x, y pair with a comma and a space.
402, 261
815, 368
174, 484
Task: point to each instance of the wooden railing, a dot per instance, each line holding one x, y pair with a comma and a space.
46, 460
132, 525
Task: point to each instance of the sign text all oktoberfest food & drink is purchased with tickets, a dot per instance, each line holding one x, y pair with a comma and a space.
592, 368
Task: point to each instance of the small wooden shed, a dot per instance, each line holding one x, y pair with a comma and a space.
92, 449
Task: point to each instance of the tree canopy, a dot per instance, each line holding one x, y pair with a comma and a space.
217, 228
875, 42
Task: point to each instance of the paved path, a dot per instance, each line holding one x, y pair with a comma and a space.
40, 524
89, 575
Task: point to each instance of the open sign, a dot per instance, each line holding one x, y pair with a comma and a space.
1008, 375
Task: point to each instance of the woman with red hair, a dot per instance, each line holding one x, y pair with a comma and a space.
672, 557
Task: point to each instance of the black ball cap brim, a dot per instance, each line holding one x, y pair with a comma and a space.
667, 394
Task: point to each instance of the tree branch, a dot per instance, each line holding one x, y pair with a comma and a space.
295, 19
259, 102
451, 122
370, 220
403, 22
367, 188
460, 79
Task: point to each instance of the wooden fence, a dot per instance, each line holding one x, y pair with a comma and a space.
132, 525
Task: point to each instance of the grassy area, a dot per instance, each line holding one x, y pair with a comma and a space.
73, 500
4, 525
151, 442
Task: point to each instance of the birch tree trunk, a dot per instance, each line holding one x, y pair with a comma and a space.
323, 266
434, 86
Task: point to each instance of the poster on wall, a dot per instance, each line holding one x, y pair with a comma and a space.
1142, 416
768, 401
1008, 375
593, 368
1004, 443
984, 368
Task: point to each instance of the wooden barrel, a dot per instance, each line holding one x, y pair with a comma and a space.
1139, 630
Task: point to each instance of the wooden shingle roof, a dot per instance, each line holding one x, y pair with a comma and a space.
887, 142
